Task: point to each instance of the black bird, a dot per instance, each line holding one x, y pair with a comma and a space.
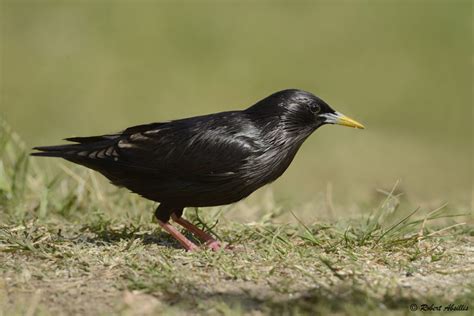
207, 160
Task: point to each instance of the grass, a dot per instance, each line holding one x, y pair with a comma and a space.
71, 244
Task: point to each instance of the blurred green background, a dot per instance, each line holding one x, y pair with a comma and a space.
402, 68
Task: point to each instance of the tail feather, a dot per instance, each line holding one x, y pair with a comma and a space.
84, 147
87, 151
48, 154
57, 151
91, 139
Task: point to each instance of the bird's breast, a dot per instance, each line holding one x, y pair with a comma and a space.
271, 164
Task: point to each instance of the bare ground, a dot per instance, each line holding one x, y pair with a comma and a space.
272, 269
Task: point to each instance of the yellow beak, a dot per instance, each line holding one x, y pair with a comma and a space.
341, 119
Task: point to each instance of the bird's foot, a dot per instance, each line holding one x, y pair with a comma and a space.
191, 248
215, 245
185, 242
206, 238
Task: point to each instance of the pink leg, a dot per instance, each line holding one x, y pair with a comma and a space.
186, 243
205, 237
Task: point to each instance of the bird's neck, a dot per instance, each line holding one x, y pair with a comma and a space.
281, 145
285, 136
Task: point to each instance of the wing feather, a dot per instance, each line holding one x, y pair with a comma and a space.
214, 148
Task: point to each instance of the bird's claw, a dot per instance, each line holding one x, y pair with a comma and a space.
215, 245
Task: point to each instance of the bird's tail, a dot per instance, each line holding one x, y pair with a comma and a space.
56, 151
83, 145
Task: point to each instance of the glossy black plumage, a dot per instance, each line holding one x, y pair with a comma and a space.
207, 160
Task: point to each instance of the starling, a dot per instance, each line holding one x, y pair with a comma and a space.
208, 160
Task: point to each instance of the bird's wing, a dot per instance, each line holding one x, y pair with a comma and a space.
208, 147
207, 151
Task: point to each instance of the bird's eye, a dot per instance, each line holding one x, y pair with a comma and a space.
315, 108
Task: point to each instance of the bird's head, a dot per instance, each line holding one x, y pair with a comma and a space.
300, 111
